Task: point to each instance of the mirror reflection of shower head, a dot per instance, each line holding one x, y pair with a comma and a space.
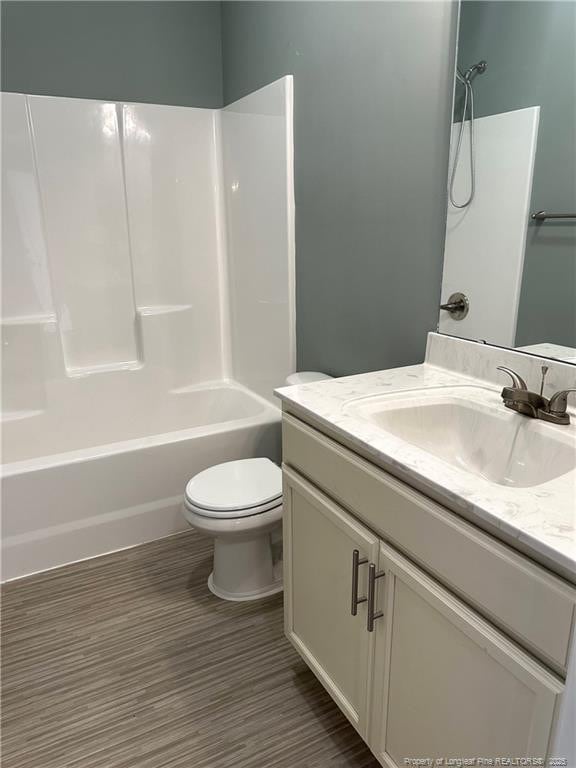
466, 79
475, 69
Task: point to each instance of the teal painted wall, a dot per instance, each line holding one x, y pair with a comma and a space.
372, 89
530, 48
158, 52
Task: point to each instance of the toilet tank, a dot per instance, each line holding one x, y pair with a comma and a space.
306, 377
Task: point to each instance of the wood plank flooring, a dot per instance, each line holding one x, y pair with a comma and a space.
128, 661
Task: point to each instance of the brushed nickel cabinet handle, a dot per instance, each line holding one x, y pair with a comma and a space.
372, 615
356, 561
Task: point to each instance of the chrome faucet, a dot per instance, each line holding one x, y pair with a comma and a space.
520, 399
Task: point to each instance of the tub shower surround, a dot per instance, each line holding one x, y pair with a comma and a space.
148, 311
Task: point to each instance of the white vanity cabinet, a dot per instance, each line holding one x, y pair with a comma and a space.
435, 678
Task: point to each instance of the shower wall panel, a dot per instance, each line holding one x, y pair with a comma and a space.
259, 204
172, 185
79, 163
25, 285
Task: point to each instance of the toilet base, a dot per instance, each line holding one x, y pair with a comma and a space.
240, 597
244, 567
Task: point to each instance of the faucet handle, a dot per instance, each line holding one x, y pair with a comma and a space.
559, 402
517, 380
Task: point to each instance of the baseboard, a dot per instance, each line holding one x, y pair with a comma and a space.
48, 548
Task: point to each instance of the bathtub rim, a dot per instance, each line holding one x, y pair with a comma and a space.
269, 414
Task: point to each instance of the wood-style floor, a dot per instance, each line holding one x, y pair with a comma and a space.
128, 661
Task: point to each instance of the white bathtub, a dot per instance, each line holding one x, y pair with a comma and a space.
78, 486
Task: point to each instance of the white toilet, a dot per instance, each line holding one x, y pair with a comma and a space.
240, 504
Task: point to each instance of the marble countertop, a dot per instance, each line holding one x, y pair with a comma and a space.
539, 520
568, 354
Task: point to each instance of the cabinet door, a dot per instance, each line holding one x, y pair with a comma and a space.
446, 683
319, 541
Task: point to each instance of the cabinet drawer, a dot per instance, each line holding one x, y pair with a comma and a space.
522, 598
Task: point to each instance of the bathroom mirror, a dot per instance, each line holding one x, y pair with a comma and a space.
509, 273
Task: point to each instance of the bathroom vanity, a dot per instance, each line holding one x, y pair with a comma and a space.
430, 558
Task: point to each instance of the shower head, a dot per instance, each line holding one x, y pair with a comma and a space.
468, 104
476, 69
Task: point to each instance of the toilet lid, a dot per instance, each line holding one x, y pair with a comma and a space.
236, 488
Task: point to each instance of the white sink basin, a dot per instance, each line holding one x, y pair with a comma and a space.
469, 428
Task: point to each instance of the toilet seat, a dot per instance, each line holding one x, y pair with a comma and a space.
235, 489
230, 513
249, 525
